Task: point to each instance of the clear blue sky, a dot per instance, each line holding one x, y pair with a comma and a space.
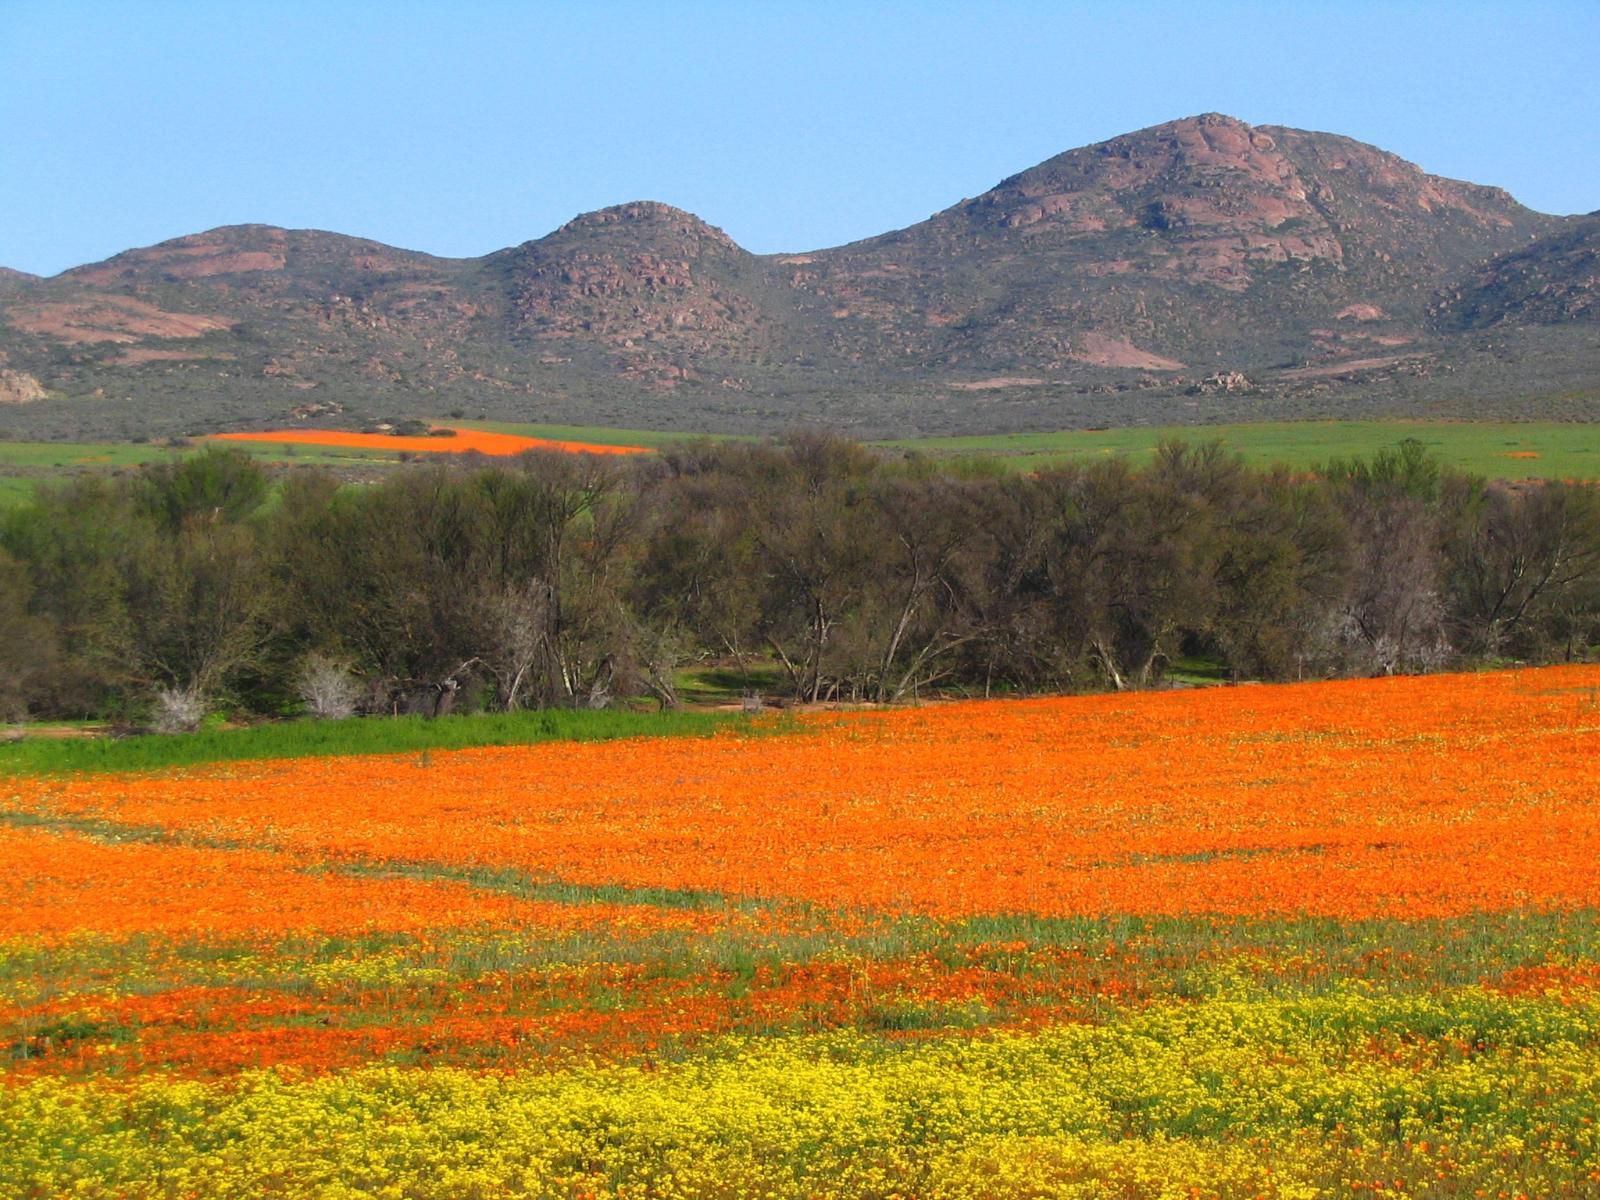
464, 127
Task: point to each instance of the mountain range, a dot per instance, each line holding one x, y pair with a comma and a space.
1203, 269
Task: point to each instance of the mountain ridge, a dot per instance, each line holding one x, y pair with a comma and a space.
1148, 263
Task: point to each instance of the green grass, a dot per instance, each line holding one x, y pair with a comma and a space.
1195, 671
288, 453
594, 434
376, 735
15, 491
45, 457
726, 684
84, 454
1565, 450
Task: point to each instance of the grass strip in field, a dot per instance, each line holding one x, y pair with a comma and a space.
528, 887
374, 735
1186, 957
97, 829
488, 879
24, 466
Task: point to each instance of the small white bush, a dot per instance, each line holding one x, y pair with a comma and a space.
329, 688
179, 709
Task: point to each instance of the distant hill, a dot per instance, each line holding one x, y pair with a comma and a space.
1203, 269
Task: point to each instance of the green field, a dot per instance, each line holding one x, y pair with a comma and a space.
65, 455
594, 434
14, 491
48, 456
25, 465
29, 755
1498, 450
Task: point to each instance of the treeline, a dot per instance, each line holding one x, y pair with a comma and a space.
560, 580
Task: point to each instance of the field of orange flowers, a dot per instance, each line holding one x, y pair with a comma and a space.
460, 441
1297, 940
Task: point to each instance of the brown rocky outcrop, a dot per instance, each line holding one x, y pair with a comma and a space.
1222, 381
17, 387
1105, 350
110, 319
194, 257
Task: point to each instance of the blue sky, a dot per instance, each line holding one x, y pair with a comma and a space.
461, 128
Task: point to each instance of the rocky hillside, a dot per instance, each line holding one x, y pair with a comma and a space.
1172, 248
1200, 269
1551, 282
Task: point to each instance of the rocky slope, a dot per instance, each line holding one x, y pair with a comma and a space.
653, 288
1551, 282
1199, 240
1203, 257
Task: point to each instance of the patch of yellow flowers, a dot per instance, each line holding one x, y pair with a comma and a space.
355, 971
1232, 1096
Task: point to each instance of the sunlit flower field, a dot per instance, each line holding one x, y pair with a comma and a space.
1278, 941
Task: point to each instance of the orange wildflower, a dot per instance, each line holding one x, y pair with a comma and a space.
53, 885
1408, 797
464, 441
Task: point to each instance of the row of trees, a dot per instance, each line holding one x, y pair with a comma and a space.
570, 580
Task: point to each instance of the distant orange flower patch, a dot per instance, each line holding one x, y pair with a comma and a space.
463, 441
1522, 454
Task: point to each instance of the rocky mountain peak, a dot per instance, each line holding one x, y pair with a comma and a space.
1214, 201
1153, 178
648, 218
649, 281
641, 227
